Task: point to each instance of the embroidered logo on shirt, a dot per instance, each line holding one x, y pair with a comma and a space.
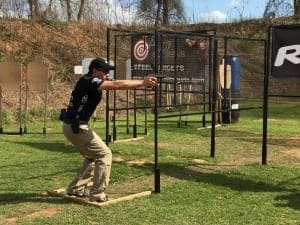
84, 99
96, 80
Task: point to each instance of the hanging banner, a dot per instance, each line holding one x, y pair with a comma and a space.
286, 51
189, 63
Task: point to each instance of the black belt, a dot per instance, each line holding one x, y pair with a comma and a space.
68, 121
71, 121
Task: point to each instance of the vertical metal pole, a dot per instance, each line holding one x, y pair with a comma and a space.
1, 128
210, 74
225, 91
46, 109
26, 108
204, 99
180, 107
175, 83
214, 99
266, 93
204, 87
115, 94
175, 74
160, 69
146, 111
156, 166
134, 114
107, 134
20, 102
127, 112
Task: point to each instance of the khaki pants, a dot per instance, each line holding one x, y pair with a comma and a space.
98, 158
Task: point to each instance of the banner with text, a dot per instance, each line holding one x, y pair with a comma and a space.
286, 51
189, 63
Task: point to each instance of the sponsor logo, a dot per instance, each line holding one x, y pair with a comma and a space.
290, 53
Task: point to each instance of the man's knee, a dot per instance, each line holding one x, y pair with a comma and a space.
108, 158
105, 159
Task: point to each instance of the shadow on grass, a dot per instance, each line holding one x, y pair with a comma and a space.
283, 142
52, 146
14, 198
35, 162
235, 181
36, 177
291, 200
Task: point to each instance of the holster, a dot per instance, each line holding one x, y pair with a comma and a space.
73, 122
63, 114
75, 126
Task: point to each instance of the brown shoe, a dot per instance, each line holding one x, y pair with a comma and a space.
101, 197
78, 192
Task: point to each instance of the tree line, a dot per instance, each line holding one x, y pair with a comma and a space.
148, 12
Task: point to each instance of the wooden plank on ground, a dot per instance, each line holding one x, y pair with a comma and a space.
129, 139
209, 127
62, 193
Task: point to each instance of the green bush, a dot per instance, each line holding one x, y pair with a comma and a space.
36, 112
6, 117
54, 114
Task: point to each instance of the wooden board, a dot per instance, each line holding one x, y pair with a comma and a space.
84, 200
201, 128
129, 139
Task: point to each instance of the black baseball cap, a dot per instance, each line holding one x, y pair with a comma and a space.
99, 63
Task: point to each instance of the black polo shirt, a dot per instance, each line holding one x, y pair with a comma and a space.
85, 98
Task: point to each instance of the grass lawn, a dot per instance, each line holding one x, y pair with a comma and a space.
232, 188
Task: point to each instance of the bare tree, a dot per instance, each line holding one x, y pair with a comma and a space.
37, 8
297, 9
158, 13
40, 9
49, 11
161, 11
69, 9
30, 3
125, 10
13, 8
49, 7
278, 8
166, 10
240, 8
34, 6
81, 8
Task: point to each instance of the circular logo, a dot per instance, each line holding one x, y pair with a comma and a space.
141, 50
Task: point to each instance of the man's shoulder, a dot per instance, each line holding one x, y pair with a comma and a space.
89, 82
84, 80
87, 78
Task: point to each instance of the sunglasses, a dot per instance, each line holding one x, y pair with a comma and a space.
104, 71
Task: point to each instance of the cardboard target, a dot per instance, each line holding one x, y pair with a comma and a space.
10, 76
37, 75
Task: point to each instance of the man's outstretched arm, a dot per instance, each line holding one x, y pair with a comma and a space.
128, 84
